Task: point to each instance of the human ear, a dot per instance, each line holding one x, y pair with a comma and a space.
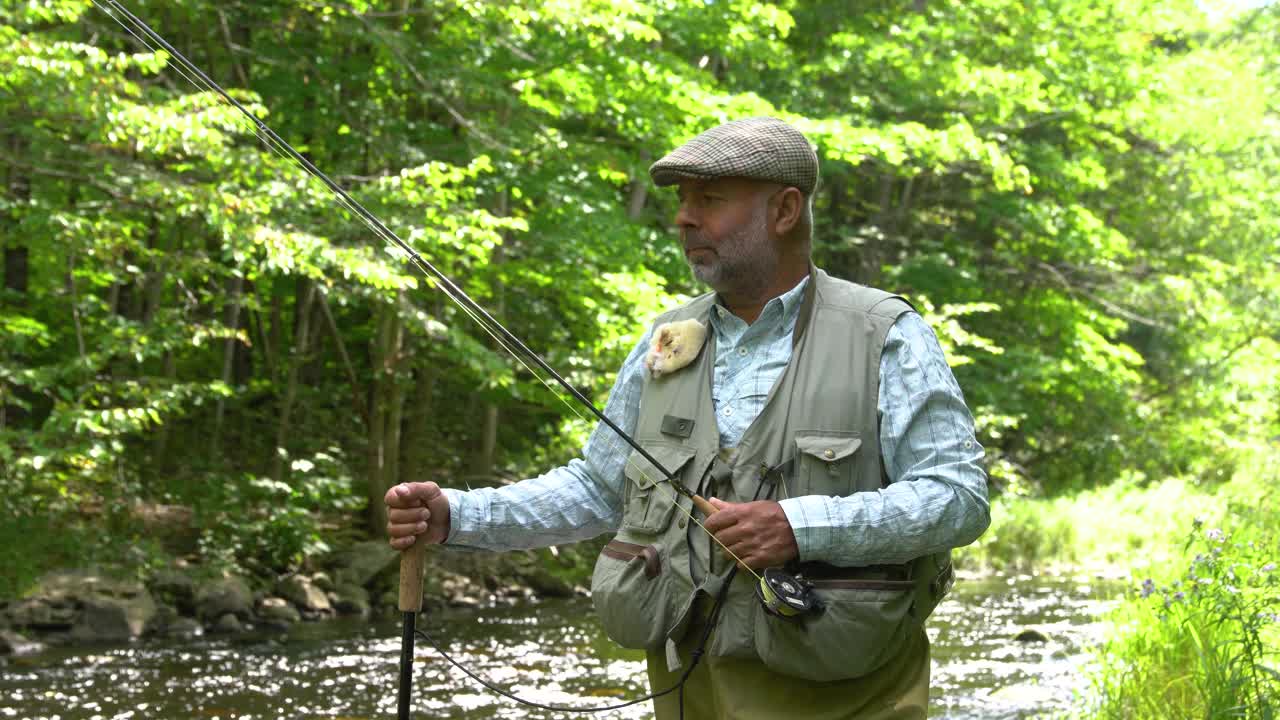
788, 206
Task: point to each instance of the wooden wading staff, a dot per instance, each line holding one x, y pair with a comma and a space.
412, 564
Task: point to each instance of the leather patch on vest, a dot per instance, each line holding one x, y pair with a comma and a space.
677, 426
626, 552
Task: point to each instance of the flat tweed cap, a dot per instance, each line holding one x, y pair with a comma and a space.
760, 148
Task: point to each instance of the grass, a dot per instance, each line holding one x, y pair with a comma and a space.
1127, 528
1201, 642
1199, 634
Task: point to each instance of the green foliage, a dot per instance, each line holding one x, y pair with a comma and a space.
23, 561
1079, 196
268, 525
1205, 642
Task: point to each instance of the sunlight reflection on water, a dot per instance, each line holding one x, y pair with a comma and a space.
552, 653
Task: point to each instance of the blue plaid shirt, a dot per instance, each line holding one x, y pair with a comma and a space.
936, 499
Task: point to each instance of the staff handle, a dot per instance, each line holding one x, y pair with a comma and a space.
413, 562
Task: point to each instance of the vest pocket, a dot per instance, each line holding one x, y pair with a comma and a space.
634, 589
863, 625
825, 462
629, 589
648, 507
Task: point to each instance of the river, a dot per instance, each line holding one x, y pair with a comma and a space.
552, 652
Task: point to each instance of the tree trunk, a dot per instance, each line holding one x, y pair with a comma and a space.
17, 266
384, 413
16, 271
485, 456
306, 295
413, 455
639, 190
873, 251
160, 437
232, 320
274, 338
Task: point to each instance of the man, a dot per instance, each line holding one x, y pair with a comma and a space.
823, 422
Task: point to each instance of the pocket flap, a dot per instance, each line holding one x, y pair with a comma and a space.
672, 457
828, 447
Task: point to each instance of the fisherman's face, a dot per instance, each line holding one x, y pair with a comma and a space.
724, 227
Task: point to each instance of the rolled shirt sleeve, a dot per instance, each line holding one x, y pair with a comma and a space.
937, 493
570, 503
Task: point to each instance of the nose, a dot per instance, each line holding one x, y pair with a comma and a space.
685, 218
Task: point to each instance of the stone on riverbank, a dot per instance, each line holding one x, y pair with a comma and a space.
278, 610
104, 622
176, 588
227, 624
299, 590
361, 563
183, 628
46, 614
351, 599
93, 607
220, 596
11, 643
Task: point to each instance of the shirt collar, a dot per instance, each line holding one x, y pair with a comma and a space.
788, 301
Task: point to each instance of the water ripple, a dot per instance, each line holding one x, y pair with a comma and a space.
552, 653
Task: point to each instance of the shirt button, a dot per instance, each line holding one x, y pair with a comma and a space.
683, 523
727, 412
828, 453
742, 352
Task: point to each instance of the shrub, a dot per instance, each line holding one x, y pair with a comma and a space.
1202, 645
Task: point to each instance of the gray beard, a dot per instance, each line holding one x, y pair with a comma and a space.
746, 261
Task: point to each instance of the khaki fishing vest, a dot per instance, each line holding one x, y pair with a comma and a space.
820, 426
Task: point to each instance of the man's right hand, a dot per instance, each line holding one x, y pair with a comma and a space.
416, 509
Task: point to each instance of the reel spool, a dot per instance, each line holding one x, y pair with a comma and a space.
787, 596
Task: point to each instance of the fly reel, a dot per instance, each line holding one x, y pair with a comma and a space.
787, 596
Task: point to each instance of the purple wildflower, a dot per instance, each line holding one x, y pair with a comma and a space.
1148, 587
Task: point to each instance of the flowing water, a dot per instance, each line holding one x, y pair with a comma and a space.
550, 652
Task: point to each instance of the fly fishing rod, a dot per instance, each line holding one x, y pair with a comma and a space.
412, 562
781, 594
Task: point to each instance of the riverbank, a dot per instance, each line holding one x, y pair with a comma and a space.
181, 600
1130, 528
1197, 631
1132, 537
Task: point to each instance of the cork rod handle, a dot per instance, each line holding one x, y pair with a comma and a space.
705, 507
412, 564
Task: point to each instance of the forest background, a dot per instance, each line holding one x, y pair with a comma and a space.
1080, 197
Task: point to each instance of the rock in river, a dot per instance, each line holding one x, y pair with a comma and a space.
1031, 635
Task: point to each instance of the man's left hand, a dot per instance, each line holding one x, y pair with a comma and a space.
758, 533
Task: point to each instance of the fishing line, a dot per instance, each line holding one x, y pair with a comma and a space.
146, 36
472, 309
513, 344
695, 655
